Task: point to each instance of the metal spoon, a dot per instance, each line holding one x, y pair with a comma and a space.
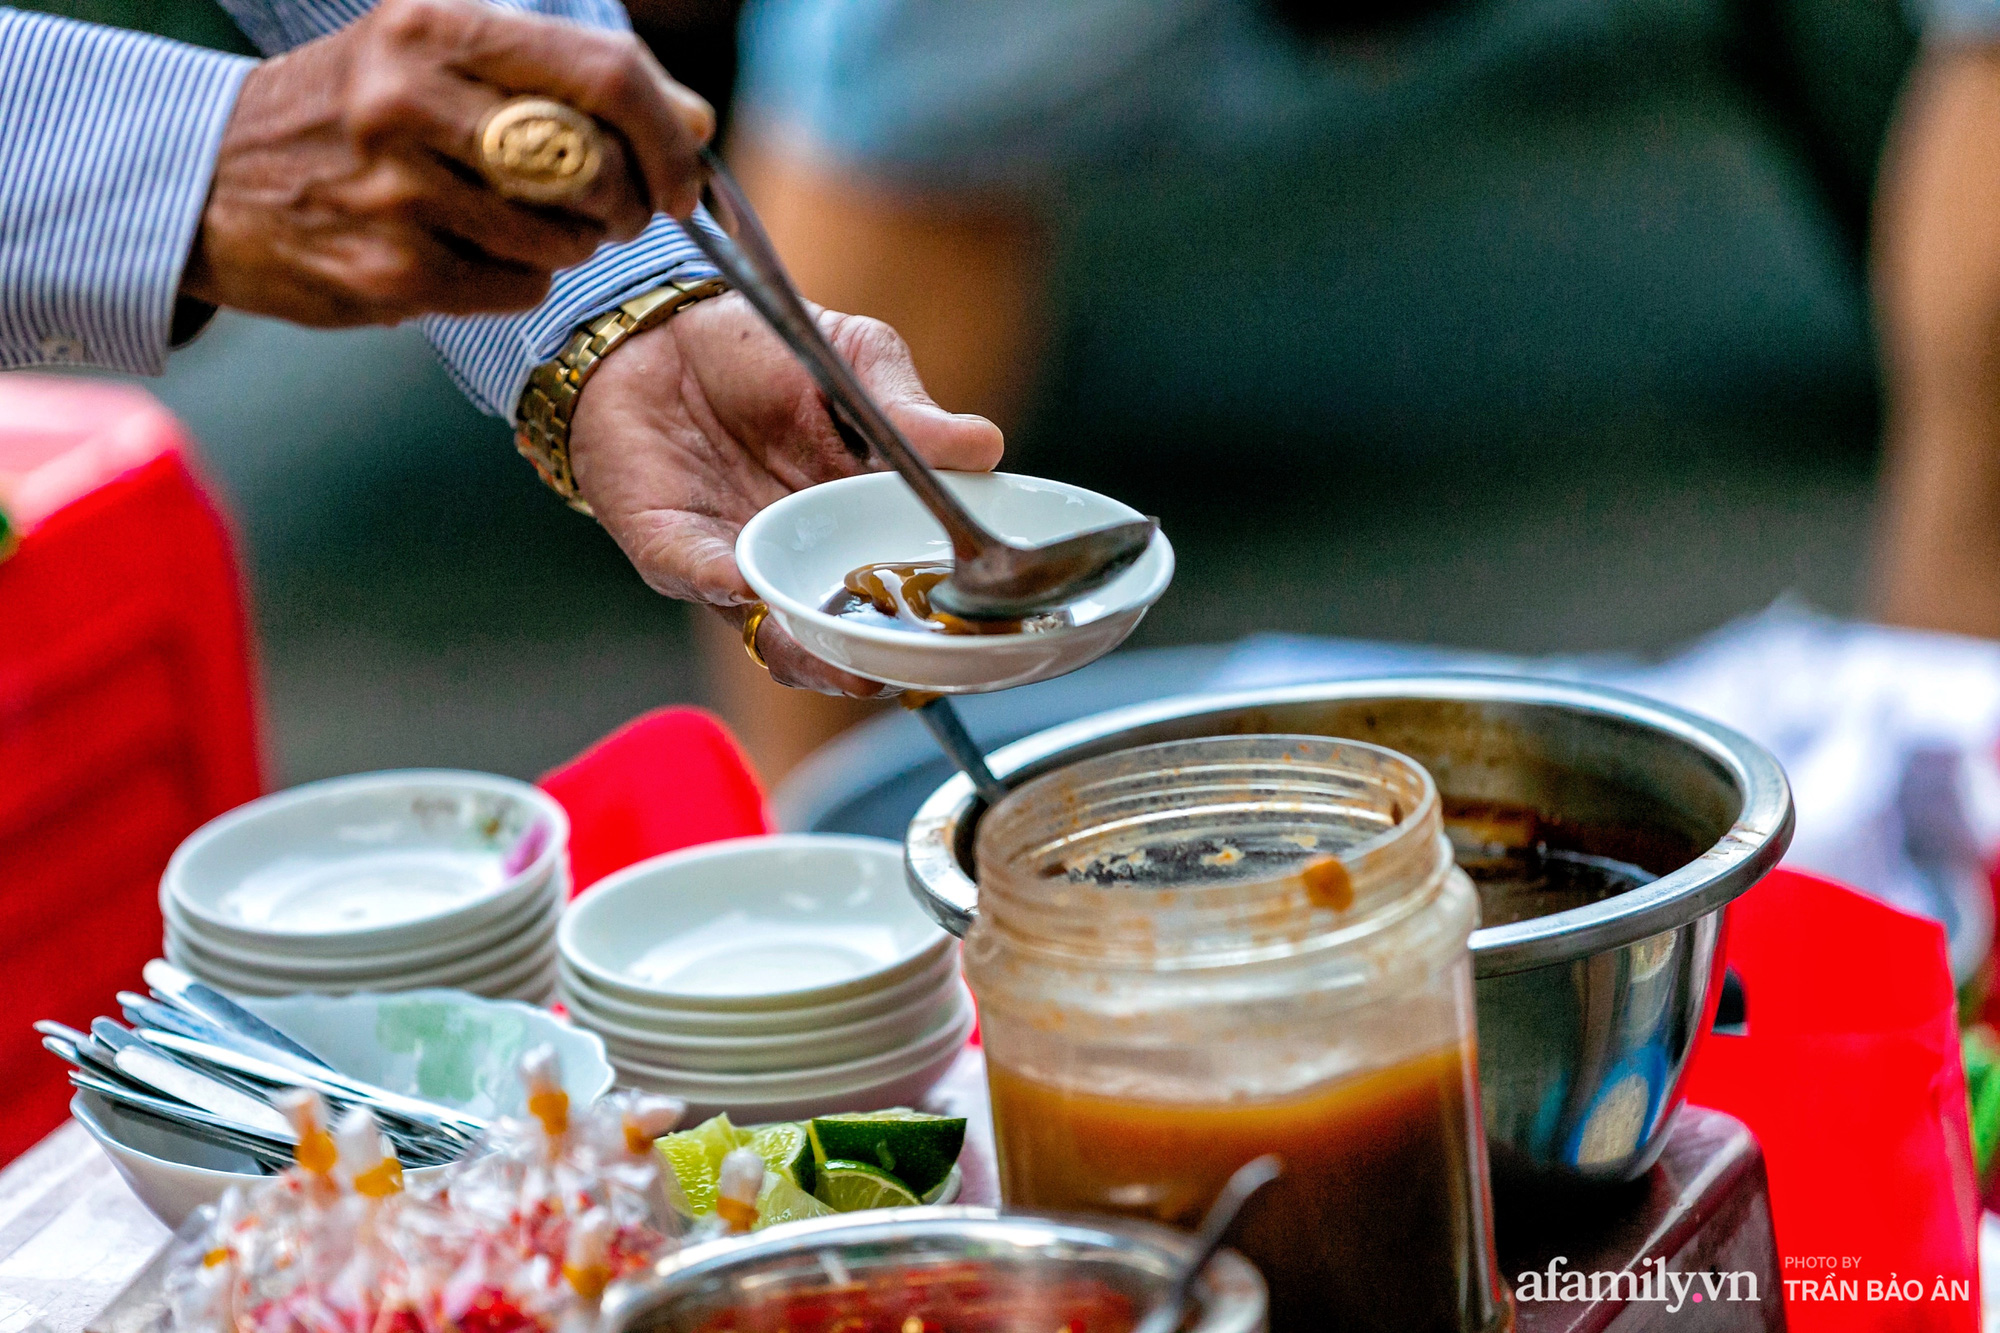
328, 1083
993, 579
941, 719
144, 1064
188, 1122
205, 1002
1170, 1309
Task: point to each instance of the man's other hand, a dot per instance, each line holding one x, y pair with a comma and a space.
346, 189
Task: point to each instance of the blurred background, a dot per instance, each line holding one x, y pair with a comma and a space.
1528, 325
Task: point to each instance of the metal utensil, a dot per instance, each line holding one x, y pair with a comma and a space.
328, 1083
142, 1063
941, 719
1170, 1309
188, 1122
142, 1011
178, 988
993, 579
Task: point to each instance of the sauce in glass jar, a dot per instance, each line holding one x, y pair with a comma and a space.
1173, 982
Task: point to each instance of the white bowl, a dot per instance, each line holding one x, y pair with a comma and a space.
753, 923
795, 553
456, 1048
388, 961
578, 990
948, 1028
905, 1087
499, 980
378, 861
451, 969
756, 1054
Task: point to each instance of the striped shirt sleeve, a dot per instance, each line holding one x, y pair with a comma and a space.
490, 356
113, 137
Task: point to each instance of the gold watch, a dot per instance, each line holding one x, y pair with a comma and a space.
541, 430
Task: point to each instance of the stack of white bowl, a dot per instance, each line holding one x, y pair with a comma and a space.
379, 882
773, 978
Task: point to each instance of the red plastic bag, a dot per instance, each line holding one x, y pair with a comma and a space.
1849, 1074
666, 780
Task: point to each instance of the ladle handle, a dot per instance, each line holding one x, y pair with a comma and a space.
750, 263
1253, 1175
948, 728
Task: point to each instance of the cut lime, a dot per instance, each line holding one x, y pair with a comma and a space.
782, 1201
696, 1157
787, 1149
917, 1149
850, 1187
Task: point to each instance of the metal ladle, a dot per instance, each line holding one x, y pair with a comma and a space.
991, 578
1168, 1312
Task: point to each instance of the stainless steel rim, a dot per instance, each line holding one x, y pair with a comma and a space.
1236, 1290
940, 832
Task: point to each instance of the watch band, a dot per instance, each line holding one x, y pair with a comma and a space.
542, 419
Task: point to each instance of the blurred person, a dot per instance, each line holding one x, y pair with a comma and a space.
335, 184
925, 163
1937, 265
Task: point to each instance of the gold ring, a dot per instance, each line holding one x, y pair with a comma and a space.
751, 624
539, 150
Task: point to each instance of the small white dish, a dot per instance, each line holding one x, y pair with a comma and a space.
757, 1054
525, 916
949, 1030
904, 1088
455, 1048
795, 553
753, 923
171, 1175
491, 973
451, 969
375, 861
580, 991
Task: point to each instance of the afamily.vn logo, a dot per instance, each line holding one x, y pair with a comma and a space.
1650, 1283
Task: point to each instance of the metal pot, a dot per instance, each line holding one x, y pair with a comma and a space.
1021, 1252
1587, 1016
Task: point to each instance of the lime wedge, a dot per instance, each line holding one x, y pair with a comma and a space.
782, 1201
851, 1187
696, 1157
787, 1149
915, 1148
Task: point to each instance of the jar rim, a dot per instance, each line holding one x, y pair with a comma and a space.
1061, 856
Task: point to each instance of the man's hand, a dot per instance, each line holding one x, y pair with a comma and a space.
346, 190
689, 429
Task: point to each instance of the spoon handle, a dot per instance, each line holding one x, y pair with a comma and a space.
1253, 1175
205, 1002
948, 729
750, 262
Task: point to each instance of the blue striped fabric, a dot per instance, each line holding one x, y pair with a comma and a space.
112, 138
121, 131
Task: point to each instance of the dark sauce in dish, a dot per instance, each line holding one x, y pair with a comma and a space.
897, 595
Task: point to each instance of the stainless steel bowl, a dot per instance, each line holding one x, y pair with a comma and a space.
1024, 1252
1586, 1016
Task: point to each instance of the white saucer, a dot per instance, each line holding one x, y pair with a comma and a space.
753, 923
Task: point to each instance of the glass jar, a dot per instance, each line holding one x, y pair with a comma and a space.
1194, 953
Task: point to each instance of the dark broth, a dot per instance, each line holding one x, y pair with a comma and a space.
1527, 864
